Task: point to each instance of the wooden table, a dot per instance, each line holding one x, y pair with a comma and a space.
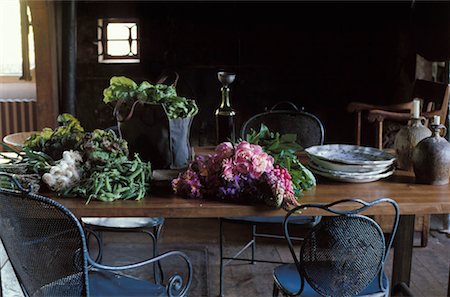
413, 199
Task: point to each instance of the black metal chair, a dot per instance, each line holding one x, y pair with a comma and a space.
47, 248
343, 255
309, 132
150, 226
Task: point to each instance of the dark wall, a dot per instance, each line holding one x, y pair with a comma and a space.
320, 56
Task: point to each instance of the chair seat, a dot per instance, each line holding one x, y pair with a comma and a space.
300, 220
288, 278
105, 283
130, 223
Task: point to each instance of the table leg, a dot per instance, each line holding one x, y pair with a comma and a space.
403, 248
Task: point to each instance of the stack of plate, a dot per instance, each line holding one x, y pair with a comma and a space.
350, 163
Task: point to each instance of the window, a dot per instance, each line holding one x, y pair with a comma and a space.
17, 46
118, 41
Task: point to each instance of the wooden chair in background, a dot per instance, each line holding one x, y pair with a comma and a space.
434, 98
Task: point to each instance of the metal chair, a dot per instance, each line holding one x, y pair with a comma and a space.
150, 226
47, 248
343, 255
309, 132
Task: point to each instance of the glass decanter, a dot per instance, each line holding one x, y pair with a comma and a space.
225, 114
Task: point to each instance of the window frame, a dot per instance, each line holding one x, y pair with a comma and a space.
103, 56
26, 72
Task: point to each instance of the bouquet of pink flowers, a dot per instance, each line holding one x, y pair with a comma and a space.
240, 173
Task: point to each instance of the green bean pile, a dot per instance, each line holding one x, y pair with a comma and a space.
118, 179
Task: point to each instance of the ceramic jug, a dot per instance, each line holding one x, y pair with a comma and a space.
431, 158
407, 139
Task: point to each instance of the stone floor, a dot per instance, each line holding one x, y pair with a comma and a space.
199, 239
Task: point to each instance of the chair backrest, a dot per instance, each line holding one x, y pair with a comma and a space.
308, 127
343, 254
435, 96
45, 244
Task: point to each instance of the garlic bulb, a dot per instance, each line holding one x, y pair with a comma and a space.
66, 173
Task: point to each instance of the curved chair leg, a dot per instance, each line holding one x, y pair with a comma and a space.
158, 272
276, 290
157, 232
99, 240
221, 257
253, 242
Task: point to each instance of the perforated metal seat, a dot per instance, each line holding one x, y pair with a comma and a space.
288, 277
343, 255
309, 131
47, 249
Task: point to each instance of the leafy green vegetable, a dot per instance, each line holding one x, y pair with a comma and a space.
107, 172
274, 142
54, 142
101, 146
155, 93
176, 107
283, 148
121, 88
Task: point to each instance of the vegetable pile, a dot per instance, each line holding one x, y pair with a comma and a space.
125, 89
55, 142
93, 165
118, 179
282, 148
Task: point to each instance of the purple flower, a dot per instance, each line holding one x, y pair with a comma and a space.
243, 173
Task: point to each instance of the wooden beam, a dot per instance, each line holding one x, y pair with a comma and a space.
44, 27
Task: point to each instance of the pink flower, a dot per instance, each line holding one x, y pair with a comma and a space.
243, 167
224, 150
261, 163
257, 149
243, 171
228, 167
244, 151
280, 182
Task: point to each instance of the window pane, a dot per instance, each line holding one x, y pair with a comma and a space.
31, 40
134, 47
119, 30
134, 32
11, 44
118, 48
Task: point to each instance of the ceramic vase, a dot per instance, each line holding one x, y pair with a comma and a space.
407, 139
431, 158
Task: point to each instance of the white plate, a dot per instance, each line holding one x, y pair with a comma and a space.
348, 167
354, 179
351, 154
314, 166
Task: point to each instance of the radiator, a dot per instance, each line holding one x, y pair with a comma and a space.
17, 115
